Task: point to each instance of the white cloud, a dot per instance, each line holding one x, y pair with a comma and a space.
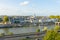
28, 11
24, 3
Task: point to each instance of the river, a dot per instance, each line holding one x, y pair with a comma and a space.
25, 29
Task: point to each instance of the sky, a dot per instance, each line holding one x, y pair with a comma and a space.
30, 7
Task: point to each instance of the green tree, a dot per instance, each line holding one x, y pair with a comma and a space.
57, 16
50, 35
56, 28
2, 34
38, 30
52, 16
5, 19
57, 37
1, 20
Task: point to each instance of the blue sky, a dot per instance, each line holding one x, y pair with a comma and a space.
30, 7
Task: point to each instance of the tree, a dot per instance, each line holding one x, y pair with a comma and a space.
38, 30
57, 16
6, 30
52, 16
57, 28
57, 37
1, 20
2, 34
5, 19
10, 33
50, 35
45, 29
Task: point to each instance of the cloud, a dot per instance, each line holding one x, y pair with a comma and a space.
24, 3
28, 11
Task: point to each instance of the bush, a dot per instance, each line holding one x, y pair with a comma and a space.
45, 29
1, 34
38, 30
10, 33
52, 35
56, 28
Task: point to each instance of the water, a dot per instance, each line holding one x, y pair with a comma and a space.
49, 27
25, 29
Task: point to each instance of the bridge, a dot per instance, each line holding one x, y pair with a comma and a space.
24, 35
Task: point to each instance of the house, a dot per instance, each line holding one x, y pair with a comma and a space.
57, 24
16, 20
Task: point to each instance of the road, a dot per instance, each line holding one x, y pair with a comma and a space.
24, 35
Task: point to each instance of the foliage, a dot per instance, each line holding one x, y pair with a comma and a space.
38, 30
1, 20
45, 29
56, 28
6, 30
5, 19
52, 35
52, 16
1, 34
56, 17
10, 33
57, 37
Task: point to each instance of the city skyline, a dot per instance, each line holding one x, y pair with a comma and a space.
30, 7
